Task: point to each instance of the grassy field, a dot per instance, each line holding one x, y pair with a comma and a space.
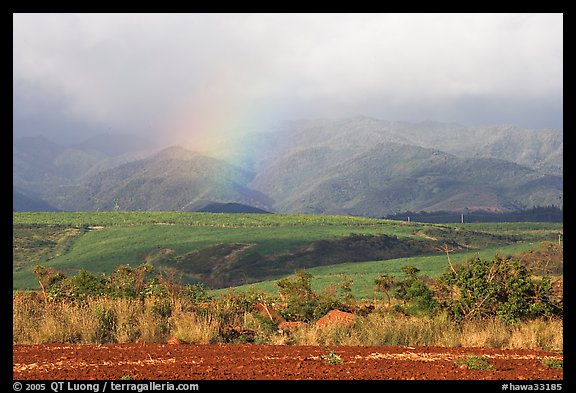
363, 273
197, 219
98, 242
110, 239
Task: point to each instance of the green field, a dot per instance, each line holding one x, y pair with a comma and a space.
98, 242
363, 273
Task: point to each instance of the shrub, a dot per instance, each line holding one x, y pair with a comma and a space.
107, 321
415, 293
87, 284
196, 293
381, 284
77, 288
301, 301
332, 357
128, 282
499, 287
303, 304
47, 278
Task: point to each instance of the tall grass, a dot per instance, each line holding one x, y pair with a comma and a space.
105, 320
193, 328
392, 330
56, 322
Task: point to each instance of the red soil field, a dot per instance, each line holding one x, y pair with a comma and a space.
273, 362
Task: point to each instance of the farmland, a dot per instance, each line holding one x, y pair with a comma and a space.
362, 274
98, 292
267, 362
262, 246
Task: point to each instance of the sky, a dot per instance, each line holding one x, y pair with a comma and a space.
194, 78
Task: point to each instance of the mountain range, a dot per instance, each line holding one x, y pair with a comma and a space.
356, 166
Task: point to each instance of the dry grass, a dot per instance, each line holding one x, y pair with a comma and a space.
56, 322
385, 329
538, 334
152, 320
195, 329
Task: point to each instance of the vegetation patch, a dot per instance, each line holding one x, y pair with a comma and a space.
37, 243
145, 305
332, 357
552, 362
500, 287
223, 250
472, 362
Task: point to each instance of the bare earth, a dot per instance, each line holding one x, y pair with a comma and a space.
268, 362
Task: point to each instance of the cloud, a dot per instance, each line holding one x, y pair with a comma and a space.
142, 72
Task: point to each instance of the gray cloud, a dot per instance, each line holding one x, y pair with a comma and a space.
139, 72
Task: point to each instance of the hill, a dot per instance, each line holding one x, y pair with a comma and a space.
215, 207
222, 250
538, 149
394, 177
173, 179
43, 167
355, 166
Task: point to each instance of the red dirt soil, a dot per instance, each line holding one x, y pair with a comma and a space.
272, 362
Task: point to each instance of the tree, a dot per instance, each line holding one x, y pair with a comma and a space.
47, 277
381, 284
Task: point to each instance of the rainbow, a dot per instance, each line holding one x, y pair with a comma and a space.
214, 119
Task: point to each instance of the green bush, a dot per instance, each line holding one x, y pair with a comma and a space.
303, 304
87, 284
196, 293
125, 282
383, 283
416, 295
301, 301
129, 283
552, 362
499, 287
332, 357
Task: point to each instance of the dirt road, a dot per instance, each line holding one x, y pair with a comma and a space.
266, 362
